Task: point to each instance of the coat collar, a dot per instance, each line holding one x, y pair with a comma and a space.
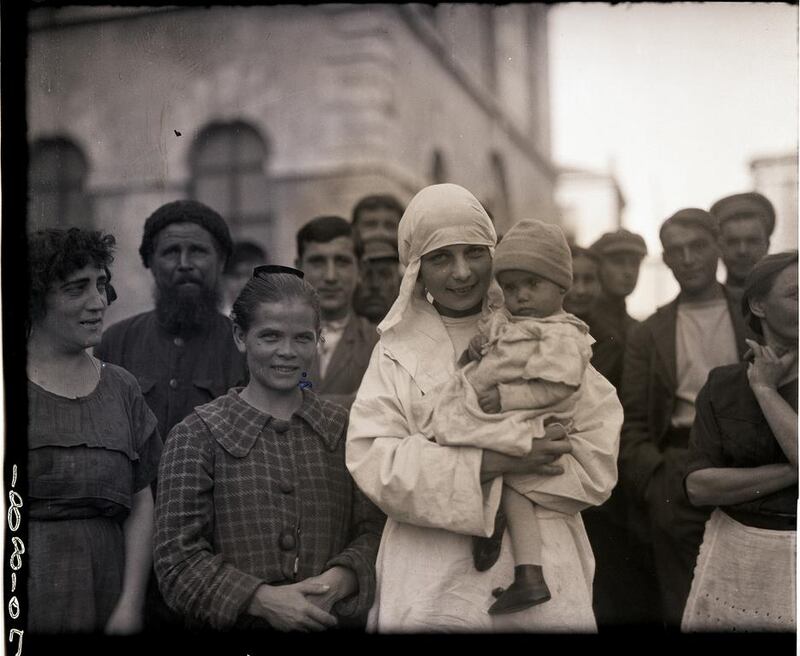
236, 425
421, 345
664, 330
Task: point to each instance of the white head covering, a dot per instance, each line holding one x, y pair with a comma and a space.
439, 215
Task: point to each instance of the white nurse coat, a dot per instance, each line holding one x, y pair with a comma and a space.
426, 579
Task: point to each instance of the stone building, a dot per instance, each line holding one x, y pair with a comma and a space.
776, 178
591, 202
273, 115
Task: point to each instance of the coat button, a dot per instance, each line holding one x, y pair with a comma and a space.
287, 487
178, 341
280, 425
287, 541
173, 383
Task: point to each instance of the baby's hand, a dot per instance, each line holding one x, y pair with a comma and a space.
476, 345
490, 400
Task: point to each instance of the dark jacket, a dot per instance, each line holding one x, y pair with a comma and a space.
176, 373
649, 382
348, 363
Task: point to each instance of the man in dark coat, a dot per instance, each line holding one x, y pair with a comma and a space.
620, 256
624, 590
667, 360
376, 218
182, 352
328, 252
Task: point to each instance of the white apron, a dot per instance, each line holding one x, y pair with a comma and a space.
744, 580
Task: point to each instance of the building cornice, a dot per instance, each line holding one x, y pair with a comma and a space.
429, 37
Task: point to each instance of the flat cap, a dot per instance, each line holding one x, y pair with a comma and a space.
378, 248
748, 204
620, 241
692, 216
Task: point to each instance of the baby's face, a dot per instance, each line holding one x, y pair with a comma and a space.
529, 295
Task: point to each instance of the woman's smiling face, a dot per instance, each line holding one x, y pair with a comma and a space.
280, 344
457, 277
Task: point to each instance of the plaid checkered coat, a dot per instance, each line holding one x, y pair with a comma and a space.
245, 499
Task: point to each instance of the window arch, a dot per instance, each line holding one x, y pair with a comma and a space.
57, 172
228, 163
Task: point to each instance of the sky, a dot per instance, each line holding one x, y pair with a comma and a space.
676, 99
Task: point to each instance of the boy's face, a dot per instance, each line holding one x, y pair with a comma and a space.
529, 295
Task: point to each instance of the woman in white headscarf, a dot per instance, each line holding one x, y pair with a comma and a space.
438, 497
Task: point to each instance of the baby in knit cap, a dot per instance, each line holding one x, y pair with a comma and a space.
524, 369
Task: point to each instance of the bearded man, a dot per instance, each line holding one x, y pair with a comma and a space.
182, 352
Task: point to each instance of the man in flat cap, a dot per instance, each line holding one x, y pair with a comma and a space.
379, 282
667, 360
746, 222
377, 214
620, 255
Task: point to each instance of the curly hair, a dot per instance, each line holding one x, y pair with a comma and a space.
53, 254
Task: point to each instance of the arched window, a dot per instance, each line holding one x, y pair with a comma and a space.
438, 168
228, 164
57, 171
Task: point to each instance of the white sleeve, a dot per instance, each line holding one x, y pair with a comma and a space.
590, 471
410, 478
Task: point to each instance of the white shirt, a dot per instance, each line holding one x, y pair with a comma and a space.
332, 332
461, 330
704, 339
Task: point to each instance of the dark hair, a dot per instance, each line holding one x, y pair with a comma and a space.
580, 251
245, 251
691, 217
327, 228
185, 211
759, 282
273, 288
377, 202
54, 254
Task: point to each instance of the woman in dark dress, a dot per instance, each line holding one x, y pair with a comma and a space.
258, 522
93, 449
743, 460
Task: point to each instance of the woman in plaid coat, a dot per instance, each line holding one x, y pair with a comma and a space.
258, 522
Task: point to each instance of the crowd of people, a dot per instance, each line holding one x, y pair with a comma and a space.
419, 427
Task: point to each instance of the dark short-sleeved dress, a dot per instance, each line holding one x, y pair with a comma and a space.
87, 458
744, 579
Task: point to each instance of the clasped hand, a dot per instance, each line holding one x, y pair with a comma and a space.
292, 607
540, 460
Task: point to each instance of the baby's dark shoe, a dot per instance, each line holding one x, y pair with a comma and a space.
528, 589
486, 551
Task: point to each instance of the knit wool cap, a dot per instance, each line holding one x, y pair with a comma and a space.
537, 247
745, 205
691, 216
620, 241
185, 211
